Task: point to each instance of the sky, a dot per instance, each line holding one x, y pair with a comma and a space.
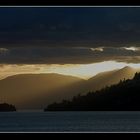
80, 41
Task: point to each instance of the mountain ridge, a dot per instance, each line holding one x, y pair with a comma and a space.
33, 91
29, 87
124, 96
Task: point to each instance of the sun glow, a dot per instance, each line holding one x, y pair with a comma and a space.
132, 48
84, 71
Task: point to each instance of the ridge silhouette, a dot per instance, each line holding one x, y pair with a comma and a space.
35, 91
124, 96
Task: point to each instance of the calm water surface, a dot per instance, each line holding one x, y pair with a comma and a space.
70, 121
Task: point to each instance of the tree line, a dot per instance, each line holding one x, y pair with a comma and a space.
124, 96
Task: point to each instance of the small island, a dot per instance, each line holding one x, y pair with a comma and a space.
4, 107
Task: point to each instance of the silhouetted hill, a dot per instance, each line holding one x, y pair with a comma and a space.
31, 91
110, 77
34, 91
4, 107
124, 96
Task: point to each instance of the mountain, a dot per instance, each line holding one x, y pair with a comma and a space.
35, 91
124, 96
110, 77
32, 91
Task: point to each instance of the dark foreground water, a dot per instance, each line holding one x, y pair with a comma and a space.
70, 122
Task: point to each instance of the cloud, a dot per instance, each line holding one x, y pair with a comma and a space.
70, 26
68, 55
100, 49
3, 51
134, 49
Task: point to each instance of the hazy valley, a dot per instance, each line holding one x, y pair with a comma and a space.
35, 91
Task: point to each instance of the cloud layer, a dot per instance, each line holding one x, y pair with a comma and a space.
68, 55
69, 35
70, 26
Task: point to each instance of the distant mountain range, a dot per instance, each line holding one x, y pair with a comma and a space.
35, 91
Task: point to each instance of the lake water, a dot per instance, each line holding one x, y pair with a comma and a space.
70, 121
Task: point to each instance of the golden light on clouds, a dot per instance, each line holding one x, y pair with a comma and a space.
100, 49
132, 48
84, 71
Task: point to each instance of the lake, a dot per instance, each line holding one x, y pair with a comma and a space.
86, 121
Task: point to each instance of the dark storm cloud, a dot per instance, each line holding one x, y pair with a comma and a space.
69, 35
71, 55
4, 51
70, 26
